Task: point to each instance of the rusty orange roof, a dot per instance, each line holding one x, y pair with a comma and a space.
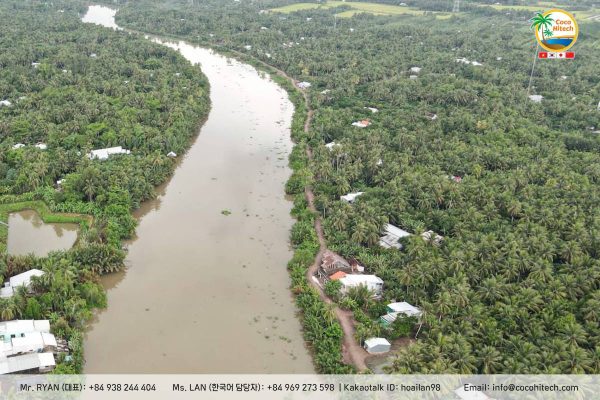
337, 275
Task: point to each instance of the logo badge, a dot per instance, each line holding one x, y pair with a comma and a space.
555, 30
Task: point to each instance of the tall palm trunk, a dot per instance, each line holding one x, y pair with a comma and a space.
535, 56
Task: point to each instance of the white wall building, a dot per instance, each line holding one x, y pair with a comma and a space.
103, 154
371, 282
377, 345
36, 362
14, 282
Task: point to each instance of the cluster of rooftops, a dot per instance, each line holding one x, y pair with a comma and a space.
26, 346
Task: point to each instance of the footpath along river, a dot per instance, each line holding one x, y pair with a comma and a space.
206, 292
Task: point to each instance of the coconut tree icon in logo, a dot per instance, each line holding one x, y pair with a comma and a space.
542, 23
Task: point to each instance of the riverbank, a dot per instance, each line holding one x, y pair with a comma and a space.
184, 241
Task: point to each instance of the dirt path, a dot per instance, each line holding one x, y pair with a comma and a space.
352, 352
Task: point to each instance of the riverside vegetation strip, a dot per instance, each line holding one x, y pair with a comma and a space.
514, 288
77, 87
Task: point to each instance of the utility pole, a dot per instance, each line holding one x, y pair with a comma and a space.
456, 8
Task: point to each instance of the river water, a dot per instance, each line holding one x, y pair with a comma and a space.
206, 292
28, 234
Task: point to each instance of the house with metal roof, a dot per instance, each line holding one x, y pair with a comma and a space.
33, 362
402, 309
392, 236
104, 154
23, 279
377, 345
372, 282
350, 197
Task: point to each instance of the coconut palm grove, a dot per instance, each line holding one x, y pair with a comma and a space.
463, 132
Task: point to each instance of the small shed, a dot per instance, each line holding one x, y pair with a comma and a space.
362, 124
5, 103
350, 197
536, 98
377, 345
18, 146
415, 70
391, 237
171, 154
404, 308
303, 85
372, 109
331, 145
41, 146
103, 154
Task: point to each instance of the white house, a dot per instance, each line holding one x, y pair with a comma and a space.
41, 146
171, 154
371, 282
303, 85
103, 154
18, 146
5, 103
248, 47
35, 64
19, 326
391, 237
415, 70
372, 109
93, 55
23, 279
35, 362
403, 307
350, 197
536, 98
377, 345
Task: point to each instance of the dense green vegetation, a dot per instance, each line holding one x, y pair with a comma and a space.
78, 87
515, 285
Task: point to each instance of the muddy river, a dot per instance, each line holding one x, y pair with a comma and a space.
206, 289
28, 234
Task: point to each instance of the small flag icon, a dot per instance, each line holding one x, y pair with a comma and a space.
543, 54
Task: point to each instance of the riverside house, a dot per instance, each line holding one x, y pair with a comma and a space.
23, 279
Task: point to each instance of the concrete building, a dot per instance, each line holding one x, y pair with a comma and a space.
372, 282
16, 281
377, 345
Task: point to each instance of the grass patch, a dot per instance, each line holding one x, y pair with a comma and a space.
45, 214
357, 8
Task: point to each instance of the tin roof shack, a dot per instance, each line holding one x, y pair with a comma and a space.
403, 309
23, 279
377, 345
350, 197
392, 236
104, 154
432, 237
372, 282
33, 362
332, 263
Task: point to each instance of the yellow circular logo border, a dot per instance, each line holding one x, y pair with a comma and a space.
537, 35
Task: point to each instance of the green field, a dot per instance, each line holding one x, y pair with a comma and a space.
357, 8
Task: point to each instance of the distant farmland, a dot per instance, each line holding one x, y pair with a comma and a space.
357, 8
